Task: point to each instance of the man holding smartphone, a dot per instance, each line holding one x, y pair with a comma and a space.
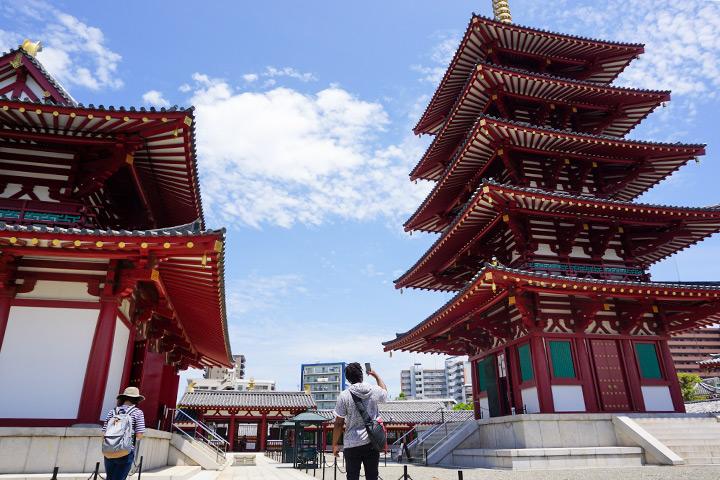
356, 444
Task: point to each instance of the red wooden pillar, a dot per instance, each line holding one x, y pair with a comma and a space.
515, 377
151, 386
671, 373
263, 433
476, 393
5, 302
632, 375
324, 437
232, 432
586, 376
98, 365
542, 374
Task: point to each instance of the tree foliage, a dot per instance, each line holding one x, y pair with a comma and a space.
462, 406
688, 381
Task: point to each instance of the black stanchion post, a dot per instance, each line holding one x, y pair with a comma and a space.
55, 472
335, 473
405, 475
460, 475
140, 468
323, 460
97, 470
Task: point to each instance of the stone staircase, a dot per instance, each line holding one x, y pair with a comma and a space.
695, 439
429, 439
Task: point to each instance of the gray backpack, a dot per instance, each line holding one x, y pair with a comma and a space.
119, 433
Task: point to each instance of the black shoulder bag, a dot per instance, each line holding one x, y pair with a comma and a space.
376, 432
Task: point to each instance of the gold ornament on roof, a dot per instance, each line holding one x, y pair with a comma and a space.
31, 48
501, 11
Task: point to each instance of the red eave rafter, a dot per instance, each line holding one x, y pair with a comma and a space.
430, 118
495, 281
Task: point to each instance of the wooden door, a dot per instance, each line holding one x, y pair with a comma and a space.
613, 390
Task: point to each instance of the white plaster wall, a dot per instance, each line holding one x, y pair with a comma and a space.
485, 407
117, 365
568, 398
43, 361
52, 290
657, 399
530, 399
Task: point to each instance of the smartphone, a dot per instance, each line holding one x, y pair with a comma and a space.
367, 368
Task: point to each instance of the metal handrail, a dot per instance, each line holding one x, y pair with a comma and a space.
217, 443
204, 427
448, 435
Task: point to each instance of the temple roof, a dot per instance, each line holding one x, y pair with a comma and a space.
23, 77
190, 272
413, 417
491, 203
247, 400
434, 163
493, 284
590, 107
594, 60
149, 152
637, 165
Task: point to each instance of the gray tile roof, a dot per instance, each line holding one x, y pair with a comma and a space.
247, 400
402, 417
190, 229
712, 406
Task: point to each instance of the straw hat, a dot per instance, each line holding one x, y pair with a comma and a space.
131, 392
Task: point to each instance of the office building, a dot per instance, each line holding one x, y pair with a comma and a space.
324, 381
417, 382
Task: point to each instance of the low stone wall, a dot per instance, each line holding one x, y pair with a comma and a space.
73, 450
545, 430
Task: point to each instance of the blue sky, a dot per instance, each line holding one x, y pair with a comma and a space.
304, 115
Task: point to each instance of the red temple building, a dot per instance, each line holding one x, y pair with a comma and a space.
538, 231
108, 275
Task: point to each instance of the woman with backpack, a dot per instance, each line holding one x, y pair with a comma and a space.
124, 426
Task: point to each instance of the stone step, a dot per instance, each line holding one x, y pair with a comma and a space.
702, 460
697, 438
691, 442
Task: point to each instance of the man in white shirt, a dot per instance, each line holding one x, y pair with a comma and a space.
357, 448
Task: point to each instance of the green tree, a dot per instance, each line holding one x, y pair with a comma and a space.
462, 406
688, 381
402, 396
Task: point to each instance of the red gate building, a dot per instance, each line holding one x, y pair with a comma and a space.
108, 277
538, 232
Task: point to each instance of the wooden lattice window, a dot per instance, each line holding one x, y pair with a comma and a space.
648, 361
562, 361
526, 365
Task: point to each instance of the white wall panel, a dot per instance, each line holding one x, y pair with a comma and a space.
117, 365
530, 399
657, 399
568, 398
52, 290
43, 361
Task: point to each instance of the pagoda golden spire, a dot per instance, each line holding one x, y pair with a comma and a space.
31, 48
501, 10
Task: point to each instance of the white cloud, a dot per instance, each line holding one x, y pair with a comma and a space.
73, 51
682, 48
250, 77
281, 157
289, 72
155, 98
439, 58
185, 88
261, 293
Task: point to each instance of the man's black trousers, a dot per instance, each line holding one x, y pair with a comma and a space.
364, 455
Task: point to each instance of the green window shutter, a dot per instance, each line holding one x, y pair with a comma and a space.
526, 366
562, 361
648, 360
482, 380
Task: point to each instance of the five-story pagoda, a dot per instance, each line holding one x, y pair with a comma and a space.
538, 232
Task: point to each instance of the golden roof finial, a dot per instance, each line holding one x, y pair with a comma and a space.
31, 48
501, 10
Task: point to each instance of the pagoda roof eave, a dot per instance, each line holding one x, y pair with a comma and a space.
434, 171
192, 258
479, 215
514, 82
488, 287
626, 52
159, 131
